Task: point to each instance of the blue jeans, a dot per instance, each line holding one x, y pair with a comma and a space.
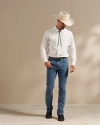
61, 67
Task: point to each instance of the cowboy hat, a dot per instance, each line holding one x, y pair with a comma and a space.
65, 18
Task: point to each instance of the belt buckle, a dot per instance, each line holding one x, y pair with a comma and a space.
57, 58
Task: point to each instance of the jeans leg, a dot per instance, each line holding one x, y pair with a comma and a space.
62, 75
51, 75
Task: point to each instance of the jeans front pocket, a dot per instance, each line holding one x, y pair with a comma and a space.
65, 60
49, 59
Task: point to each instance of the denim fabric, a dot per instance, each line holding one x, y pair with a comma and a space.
61, 67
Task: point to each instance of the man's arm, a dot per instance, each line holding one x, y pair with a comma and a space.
72, 51
43, 47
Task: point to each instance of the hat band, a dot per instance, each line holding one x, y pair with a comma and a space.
63, 19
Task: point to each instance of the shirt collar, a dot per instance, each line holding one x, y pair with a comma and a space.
58, 29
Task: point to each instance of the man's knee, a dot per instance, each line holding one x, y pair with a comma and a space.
49, 89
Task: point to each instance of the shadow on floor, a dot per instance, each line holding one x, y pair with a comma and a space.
18, 113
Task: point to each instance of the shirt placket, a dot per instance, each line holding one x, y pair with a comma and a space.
59, 38
59, 44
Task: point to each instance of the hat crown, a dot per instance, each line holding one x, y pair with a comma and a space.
64, 15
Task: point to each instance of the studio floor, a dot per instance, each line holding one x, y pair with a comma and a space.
26, 114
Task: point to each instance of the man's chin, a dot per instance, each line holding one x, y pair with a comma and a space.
62, 27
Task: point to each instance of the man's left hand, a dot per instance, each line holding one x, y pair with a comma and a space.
72, 68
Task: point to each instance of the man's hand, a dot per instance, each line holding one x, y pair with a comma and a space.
48, 65
72, 68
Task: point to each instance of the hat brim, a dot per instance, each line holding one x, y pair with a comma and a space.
69, 23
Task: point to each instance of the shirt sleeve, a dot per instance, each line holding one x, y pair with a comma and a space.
43, 47
72, 50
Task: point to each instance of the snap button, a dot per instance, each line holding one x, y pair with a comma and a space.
65, 39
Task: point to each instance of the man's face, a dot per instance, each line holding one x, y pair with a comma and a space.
61, 24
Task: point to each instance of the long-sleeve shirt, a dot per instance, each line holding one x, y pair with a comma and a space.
50, 40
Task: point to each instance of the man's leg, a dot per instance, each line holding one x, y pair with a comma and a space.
51, 75
62, 75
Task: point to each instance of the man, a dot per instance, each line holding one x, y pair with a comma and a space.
58, 40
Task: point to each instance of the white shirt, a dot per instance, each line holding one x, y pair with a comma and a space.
50, 40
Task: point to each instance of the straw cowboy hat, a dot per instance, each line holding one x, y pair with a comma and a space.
65, 18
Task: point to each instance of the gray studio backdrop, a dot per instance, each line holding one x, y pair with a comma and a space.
22, 71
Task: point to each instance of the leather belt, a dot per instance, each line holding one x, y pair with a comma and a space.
57, 58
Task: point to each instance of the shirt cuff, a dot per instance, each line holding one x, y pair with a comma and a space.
45, 60
73, 62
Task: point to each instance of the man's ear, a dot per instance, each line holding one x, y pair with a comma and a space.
57, 20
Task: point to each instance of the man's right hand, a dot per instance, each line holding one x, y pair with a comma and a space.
48, 64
